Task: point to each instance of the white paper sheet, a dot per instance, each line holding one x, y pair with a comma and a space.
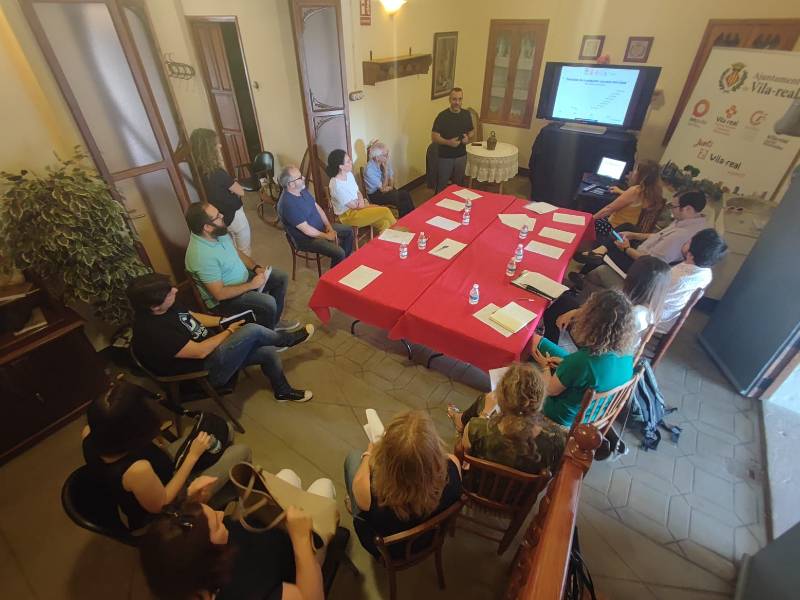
495, 375
614, 266
447, 248
544, 249
513, 317
443, 223
360, 277
451, 204
396, 237
541, 208
542, 283
517, 221
483, 316
374, 426
467, 194
560, 217
557, 234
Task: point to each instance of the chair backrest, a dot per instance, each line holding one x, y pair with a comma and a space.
87, 501
291, 242
601, 408
643, 340
418, 542
666, 340
476, 123
362, 182
195, 284
263, 164
500, 488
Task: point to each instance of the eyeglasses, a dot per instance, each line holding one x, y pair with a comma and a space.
219, 217
673, 205
295, 179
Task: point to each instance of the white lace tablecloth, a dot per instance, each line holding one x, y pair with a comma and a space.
493, 166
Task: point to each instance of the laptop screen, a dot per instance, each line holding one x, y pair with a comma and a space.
611, 168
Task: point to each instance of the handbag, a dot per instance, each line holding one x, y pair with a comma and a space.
213, 425
264, 498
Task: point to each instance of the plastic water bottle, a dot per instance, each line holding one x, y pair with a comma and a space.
215, 446
511, 267
465, 217
403, 251
523, 232
422, 241
518, 254
468, 204
474, 294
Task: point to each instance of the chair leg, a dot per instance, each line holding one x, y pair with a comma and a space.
294, 265
319, 265
508, 536
439, 568
212, 393
355, 237
392, 583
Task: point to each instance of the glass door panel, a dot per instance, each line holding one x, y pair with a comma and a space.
320, 34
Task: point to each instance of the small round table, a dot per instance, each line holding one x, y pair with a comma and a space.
492, 166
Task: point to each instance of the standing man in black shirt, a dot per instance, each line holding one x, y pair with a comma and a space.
452, 130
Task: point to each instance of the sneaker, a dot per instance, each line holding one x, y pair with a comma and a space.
295, 396
284, 325
588, 258
292, 338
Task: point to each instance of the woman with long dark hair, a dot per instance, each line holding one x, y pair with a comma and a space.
642, 200
222, 190
347, 200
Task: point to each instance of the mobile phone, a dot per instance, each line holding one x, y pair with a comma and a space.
617, 236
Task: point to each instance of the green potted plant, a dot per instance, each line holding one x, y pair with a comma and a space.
67, 229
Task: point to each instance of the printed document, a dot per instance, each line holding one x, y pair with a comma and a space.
396, 237
517, 221
557, 234
541, 208
513, 317
467, 194
484, 315
360, 277
560, 217
451, 204
544, 249
447, 248
443, 223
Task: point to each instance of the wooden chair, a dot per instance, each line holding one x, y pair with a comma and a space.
394, 210
539, 569
661, 342
499, 491
416, 545
476, 123
304, 254
194, 284
172, 387
600, 409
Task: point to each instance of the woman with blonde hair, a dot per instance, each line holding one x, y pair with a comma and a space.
222, 190
604, 330
506, 426
347, 201
402, 480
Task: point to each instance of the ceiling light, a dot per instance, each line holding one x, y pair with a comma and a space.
392, 6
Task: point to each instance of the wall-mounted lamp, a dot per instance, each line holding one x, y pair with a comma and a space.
392, 6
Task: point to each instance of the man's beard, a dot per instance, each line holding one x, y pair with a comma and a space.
219, 231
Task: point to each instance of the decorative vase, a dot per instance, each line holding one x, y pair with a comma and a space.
491, 142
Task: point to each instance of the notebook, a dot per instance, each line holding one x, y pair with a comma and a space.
614, 266
247, 316
540, 284
484, 316
512, 317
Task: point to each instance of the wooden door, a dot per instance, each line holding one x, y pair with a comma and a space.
772, 34
317, 26
213, 58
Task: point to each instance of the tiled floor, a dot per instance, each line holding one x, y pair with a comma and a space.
662, 525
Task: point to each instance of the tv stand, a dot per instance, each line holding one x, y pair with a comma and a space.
584, 128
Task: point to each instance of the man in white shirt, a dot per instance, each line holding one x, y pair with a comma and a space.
700, 253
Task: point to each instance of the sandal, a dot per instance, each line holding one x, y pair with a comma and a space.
454, 413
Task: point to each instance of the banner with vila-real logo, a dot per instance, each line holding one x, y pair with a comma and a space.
741, 126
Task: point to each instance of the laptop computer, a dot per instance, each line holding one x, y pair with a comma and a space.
608, 172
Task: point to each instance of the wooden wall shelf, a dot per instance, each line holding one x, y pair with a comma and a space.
384, 69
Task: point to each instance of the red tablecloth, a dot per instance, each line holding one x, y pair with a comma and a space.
384, 301
442, 318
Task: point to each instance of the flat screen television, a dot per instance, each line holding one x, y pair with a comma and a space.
607, 95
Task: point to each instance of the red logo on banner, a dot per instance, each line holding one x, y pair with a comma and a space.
365, 12
701, 108
730, 111
758, 117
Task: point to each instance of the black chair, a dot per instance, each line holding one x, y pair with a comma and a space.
261, 180
85, 499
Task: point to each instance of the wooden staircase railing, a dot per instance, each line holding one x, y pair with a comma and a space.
540, 566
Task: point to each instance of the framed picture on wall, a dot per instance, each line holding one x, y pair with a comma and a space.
445, 49
591, 47
638, 49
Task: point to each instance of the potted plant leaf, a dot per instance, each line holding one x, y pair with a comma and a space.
67, 229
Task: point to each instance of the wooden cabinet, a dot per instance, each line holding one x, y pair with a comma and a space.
765, 34
47, 377
513, 59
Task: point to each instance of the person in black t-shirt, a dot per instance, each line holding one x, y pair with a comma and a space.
452, 130
222, 190
170, 340
196, 552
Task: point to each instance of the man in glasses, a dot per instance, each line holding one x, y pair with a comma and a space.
230, 282
306, 222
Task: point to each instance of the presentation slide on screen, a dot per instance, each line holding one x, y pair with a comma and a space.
594, 94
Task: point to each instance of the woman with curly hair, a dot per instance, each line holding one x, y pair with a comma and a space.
605, 333
506, 426
400, 481
222, 190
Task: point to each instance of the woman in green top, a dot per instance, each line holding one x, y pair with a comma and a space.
605, 333
517, 435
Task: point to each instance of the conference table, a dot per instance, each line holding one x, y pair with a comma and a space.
423, 299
